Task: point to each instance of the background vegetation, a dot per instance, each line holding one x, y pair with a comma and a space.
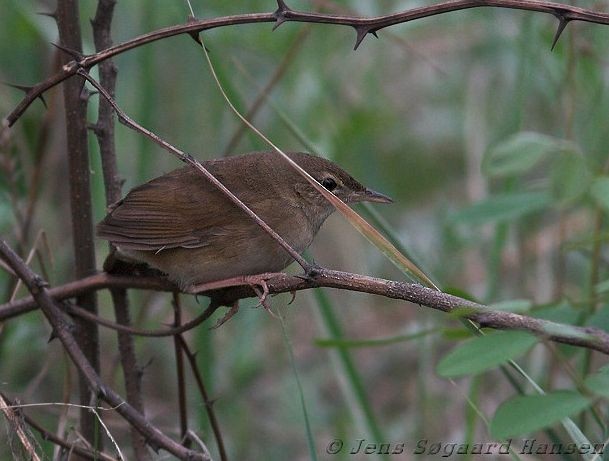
433, 114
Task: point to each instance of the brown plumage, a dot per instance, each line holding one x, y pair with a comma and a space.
184, 226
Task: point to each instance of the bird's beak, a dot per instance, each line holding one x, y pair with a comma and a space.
370, 195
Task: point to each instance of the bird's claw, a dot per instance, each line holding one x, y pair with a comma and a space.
229, 315
258, 283
262, 294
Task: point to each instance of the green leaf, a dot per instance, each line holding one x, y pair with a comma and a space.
518, 154
485, 352
524, 414
504, 207
570, 177
600, 192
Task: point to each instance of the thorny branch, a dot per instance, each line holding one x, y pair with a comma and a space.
362, 26
211, 415
104, 131
81, 211
587, 337
38, 288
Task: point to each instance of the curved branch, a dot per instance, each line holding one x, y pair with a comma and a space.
587, 337
362, 26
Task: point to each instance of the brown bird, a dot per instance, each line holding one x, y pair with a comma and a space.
184, 226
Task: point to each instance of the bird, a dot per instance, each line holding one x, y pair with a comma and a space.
184, 226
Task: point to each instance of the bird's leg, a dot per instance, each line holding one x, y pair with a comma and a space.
251, 280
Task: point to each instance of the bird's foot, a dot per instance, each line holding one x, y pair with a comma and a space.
262, 295
257, 282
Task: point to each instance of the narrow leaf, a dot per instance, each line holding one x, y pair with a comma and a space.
355, 343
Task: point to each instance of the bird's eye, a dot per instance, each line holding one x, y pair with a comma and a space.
329, 183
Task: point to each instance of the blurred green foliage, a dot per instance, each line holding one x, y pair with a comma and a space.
493, 147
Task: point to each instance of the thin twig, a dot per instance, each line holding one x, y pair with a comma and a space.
211, 414
89, 454
183, 409
15, 422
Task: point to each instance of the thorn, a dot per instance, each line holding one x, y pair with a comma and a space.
229, 315
373, 32
195, 35
147, 364
311, 271
139, 372
196, 38
280, 13
102, 392
85, 94
73, 53
153, 444
50, 15
280, 20
25, 88
281, 6
562, 23
361, 34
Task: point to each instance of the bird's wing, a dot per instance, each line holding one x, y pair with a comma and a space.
167, 212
